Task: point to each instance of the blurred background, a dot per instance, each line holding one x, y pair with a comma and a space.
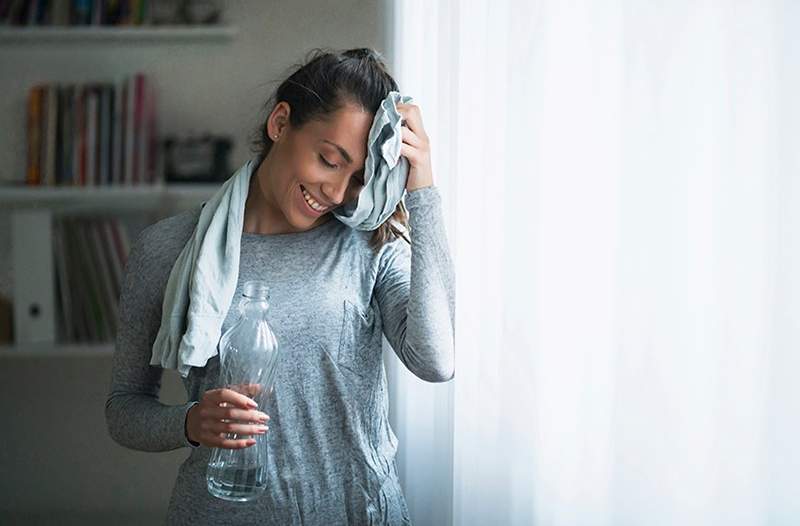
621, 184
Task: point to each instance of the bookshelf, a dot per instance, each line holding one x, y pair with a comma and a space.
68, 350
104, 198
35, 212
82, 34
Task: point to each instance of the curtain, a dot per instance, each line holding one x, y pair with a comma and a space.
622, 194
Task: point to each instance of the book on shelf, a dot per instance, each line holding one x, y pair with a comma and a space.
92, 134
75, 12
89, 255
108, 12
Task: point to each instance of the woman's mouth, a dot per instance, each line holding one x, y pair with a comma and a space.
312, 203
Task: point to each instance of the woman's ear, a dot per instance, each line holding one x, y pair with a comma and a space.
278, 120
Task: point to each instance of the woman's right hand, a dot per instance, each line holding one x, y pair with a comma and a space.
223, 411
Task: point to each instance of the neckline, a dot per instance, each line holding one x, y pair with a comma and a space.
292, 235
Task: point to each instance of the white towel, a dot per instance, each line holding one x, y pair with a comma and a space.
385, 170
203, 280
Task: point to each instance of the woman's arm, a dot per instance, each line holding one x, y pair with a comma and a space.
415, 290
134, 416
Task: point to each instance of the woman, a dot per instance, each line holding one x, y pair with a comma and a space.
334, 292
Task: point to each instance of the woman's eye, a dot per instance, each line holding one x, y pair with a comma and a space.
326, 163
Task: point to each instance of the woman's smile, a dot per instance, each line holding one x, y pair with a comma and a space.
312, 206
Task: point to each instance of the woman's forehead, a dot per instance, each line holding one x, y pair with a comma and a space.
345, 131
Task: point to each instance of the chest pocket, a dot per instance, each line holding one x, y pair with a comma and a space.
355, 352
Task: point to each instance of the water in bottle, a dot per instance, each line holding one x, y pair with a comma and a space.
248, 360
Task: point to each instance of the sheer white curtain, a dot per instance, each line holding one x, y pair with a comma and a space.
622, 190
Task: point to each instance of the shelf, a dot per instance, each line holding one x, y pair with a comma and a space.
128, 197
55, 350
154, 34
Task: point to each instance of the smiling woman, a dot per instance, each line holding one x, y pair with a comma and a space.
335, 292
312, 146
296, 185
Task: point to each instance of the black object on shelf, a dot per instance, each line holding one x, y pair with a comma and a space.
201, 159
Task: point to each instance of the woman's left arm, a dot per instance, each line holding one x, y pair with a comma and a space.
415, 287
415, 291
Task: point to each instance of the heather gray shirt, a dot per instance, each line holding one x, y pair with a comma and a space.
331, 451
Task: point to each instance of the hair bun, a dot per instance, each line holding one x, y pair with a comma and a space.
362, 53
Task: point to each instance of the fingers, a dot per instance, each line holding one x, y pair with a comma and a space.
224, 415
411, 138
241, 415
412, 117
234, 444
411, 153
230, 397
218, 428
251, 390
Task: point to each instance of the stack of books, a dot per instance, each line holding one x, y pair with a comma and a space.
92, 134
90, 254
76, 12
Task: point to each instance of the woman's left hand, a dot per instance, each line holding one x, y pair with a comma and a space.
416, 148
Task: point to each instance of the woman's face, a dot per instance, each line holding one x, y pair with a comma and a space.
314, 169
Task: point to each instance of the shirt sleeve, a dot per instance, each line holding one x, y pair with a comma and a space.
415, 290
135, 417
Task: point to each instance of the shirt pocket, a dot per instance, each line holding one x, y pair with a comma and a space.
356, 339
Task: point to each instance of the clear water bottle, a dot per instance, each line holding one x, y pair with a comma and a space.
248, 360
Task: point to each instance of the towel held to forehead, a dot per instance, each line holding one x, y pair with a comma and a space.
203, 280
385, 170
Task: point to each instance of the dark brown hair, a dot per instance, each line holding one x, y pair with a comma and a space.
327, 81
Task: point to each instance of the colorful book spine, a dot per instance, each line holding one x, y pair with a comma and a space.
92, 134
33, 174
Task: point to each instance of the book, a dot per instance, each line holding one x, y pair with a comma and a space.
114, 262
102, 279
118, 126
76, 278
130, 97
121, 243
80, 133
143, 142
50, 135
89, 264
138, 88
97, 310
91, 136
152, 135
66, 330
33, 173
105, 134
60, 134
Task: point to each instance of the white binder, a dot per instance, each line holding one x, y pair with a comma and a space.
33, 278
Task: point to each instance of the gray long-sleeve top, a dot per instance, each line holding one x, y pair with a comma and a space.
331, 451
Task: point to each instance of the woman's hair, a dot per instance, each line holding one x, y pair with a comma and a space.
327, 82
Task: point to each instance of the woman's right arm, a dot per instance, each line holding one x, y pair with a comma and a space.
135, 417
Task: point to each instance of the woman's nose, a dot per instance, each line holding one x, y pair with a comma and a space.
335, 192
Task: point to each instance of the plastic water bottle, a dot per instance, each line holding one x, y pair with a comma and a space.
248, 358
